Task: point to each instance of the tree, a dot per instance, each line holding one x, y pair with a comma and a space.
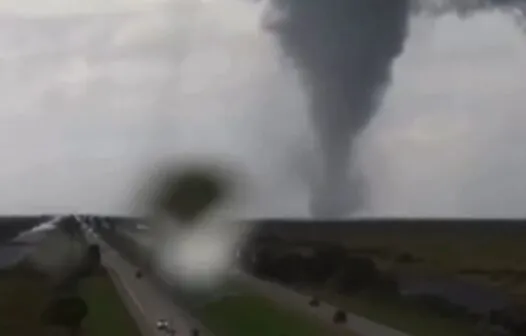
326, 262
67, 313
388, 284
441, 306
407, 258
91, 261
262, 265
88, 265
334, 255
358, 273
71, 227
292, 268
339, 317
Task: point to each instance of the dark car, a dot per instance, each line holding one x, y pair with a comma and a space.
314, 302
339, 317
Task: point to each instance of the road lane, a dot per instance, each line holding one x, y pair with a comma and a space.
282, 295
148, 303
286, 297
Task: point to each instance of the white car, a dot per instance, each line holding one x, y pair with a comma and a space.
163, 325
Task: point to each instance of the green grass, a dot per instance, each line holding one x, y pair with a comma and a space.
405, 316
23, 297
107, 314
496, 259
252, 315
24, 294
441, 253
448, 250
500, 256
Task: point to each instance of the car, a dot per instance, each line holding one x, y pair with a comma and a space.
339, 317
162, 325
314, 302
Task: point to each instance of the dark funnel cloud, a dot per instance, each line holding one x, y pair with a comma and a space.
468, 7
344, 50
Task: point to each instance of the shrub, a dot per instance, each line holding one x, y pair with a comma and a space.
91, 262
358, 273
387, 284
442, 306
334, 256
512, 318
291, 268
320, 269
407, 258
66, 312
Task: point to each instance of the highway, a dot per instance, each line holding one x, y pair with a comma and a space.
286, 297
299, 302
147, 303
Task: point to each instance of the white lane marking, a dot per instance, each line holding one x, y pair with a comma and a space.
130, 293
124, 284
183, 318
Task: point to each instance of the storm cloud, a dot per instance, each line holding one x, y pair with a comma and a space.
91, 101
344, 50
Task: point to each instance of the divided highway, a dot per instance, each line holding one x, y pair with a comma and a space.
287, 297
145, 300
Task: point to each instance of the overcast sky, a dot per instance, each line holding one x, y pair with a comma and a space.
94, 94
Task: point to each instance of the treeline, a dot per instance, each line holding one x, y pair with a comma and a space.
11, 226
23, 220
346, 274
334, 269
67, 309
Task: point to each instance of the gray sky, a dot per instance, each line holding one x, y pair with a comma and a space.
93, 95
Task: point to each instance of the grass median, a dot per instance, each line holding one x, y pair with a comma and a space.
24, 295
108, 316
406, 316
248, 314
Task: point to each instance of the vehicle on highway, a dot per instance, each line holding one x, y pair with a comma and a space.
164, 326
